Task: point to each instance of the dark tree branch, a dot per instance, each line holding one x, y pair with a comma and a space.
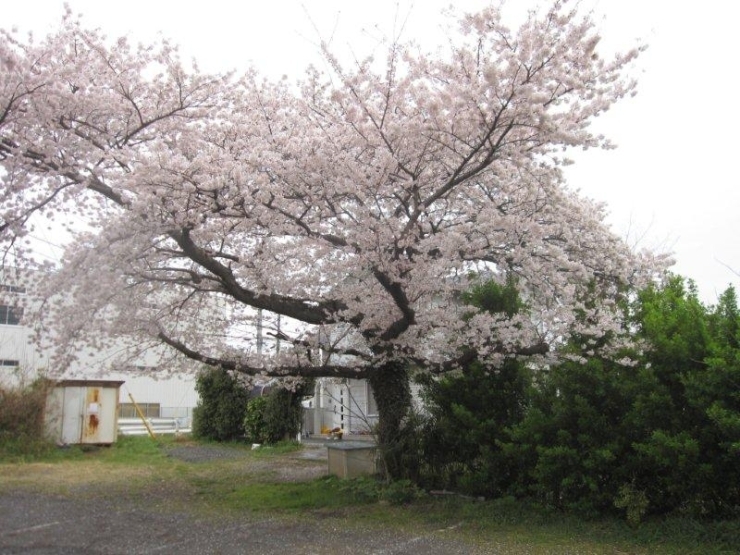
304, 310
402, 302
326, 371
470, 355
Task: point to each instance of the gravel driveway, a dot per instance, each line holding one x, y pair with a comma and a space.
42, 524
97, 523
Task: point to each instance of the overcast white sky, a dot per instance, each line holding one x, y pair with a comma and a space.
672, 182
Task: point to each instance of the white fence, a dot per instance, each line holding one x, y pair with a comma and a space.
135, 427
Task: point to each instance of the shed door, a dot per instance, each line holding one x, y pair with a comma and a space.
73, 410
100, 415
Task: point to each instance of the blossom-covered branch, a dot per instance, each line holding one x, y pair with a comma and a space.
356, 202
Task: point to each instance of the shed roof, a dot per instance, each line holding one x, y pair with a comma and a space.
89, 383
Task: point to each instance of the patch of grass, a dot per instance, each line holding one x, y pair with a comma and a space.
136, 450
127, 449
519, 527
281, 448
24, 449
328, 493
128, 464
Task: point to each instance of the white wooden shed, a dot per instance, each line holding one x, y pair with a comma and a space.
83, 411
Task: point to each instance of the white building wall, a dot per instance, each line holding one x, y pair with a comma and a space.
343, 404
15, 346
147, 380
349, 405
174, 394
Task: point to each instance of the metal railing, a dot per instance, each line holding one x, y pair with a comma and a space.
134, 426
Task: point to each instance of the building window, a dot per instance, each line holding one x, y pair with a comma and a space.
10, 315
128, 410
12, 289
9, 363
142, 368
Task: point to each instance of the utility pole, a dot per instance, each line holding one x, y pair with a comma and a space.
277, 344
259, 333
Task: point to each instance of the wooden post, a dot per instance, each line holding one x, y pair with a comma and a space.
143, 418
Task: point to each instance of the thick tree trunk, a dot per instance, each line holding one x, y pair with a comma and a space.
390, 385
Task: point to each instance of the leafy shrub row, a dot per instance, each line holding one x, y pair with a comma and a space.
659, 436
226, 412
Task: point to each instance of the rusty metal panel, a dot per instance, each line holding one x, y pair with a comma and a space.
91, 421
101, 415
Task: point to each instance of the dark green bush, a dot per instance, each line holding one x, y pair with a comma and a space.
22, 431
469, 414
274, 417
283, 415
22, 410
254, 420
687, 457
658, 436
574, 444
220, 412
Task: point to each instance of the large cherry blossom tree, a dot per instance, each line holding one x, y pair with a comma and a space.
355, 203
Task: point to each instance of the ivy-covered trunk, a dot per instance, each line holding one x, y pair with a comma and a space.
390, 385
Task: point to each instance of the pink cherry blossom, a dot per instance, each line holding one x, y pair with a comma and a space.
354, 203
